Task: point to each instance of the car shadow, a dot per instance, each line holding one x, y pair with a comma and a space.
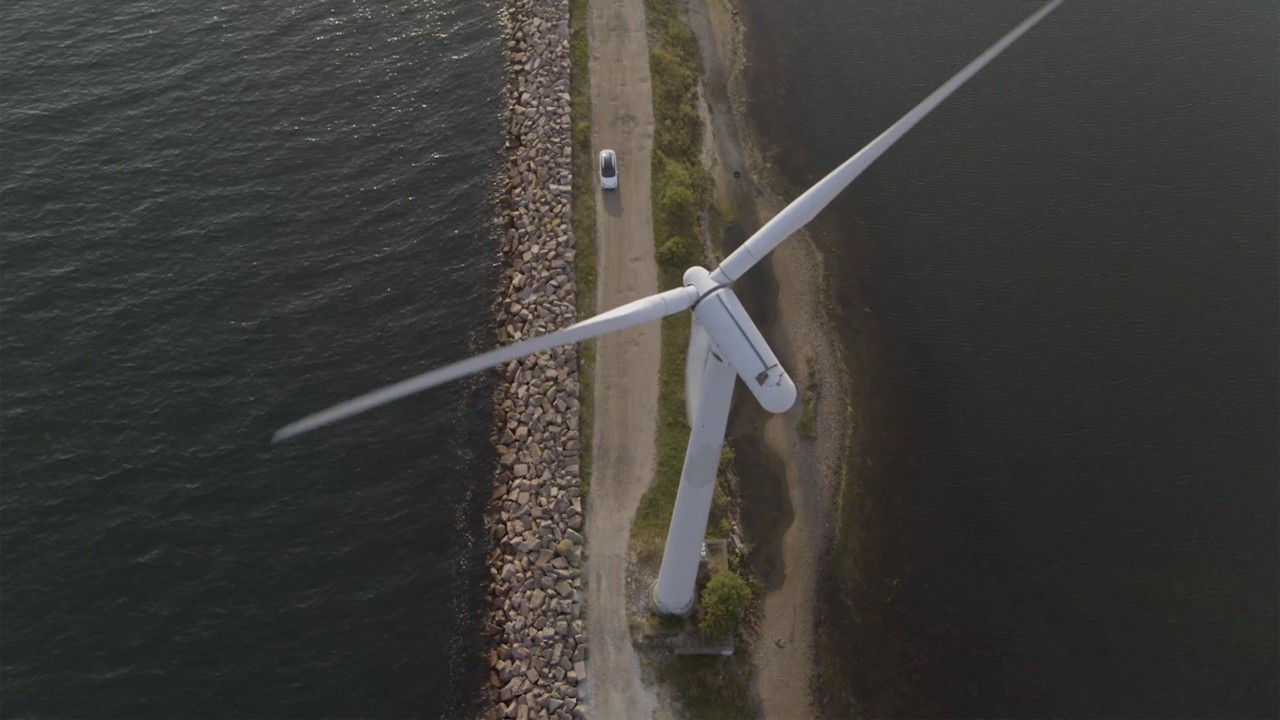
612, 200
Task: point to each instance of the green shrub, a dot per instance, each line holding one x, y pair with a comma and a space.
682, 130
679, 203
677, 81
674, 253
724, 600
727, 458
683, 42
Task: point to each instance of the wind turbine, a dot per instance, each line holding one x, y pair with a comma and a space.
723, 344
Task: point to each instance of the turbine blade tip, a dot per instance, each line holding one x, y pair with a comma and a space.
283, 434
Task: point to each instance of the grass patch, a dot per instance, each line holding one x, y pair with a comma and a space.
719, 519
680, 188
710, 686
806, 428
584, 224
665, 622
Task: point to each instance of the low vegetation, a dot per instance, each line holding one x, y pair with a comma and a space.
680, 190
674, 253
710, 686
806, 428
584, 221
707, 686
724, 601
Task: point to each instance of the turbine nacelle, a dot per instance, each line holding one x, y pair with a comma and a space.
737, 341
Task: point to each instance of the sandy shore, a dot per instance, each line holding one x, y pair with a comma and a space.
783, 655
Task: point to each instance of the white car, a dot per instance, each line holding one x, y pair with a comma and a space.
608, 170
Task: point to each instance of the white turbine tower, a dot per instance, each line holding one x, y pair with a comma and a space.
723, 343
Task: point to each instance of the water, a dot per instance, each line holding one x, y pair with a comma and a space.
1063, 285
217, 218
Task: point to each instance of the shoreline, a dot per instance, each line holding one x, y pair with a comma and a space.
857, 577
535, 515
784, 653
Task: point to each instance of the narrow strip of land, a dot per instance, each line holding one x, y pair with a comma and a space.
626, 365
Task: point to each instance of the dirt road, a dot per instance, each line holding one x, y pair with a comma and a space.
626, 371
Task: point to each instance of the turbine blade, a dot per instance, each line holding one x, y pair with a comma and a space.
636, 312
808, 205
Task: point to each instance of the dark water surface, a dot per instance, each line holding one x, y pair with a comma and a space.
1064, 288
216, 218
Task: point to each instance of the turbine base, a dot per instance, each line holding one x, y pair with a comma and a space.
663, 610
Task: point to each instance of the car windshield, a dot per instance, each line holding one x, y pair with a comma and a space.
606, 167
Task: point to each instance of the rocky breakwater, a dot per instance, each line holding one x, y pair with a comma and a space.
536, 595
